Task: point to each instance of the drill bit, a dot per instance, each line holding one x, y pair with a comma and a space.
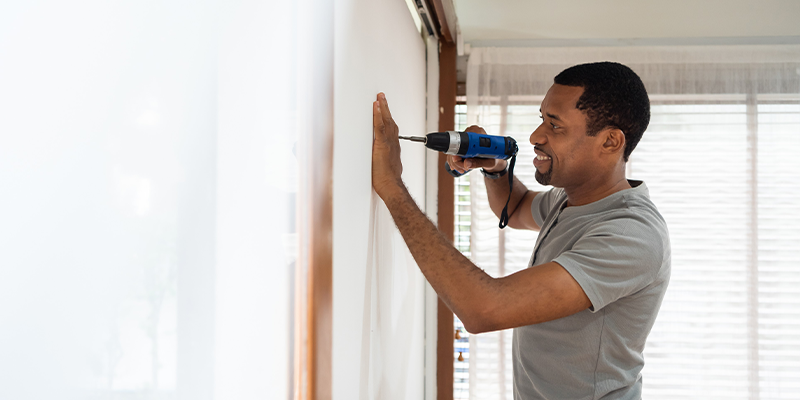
422, 139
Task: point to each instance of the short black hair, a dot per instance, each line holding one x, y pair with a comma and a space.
613, 96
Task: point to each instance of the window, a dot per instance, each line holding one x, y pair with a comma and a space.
462, 238
724, 172
721, 173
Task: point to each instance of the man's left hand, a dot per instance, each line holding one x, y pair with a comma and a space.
386, 165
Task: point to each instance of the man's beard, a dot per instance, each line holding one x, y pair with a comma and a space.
544, 178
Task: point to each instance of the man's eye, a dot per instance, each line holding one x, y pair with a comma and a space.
554, 125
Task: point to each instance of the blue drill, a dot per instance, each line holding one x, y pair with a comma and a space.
474, 145
468, 145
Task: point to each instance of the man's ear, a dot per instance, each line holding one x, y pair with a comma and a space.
614, 141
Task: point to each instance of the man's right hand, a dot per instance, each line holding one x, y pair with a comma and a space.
463, 165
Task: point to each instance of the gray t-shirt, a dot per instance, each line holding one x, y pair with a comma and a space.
618, 250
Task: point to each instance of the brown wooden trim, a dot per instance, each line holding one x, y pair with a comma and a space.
320, 282
431, 15
320, 267
320, 270
444, 353
314, 325
445, 13
446, 216
314, 285
314, 277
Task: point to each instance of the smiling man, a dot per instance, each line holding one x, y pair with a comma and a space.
583, 308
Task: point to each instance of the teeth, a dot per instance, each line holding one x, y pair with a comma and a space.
542, 158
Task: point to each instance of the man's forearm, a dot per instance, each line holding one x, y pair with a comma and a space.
464, 287
497, 191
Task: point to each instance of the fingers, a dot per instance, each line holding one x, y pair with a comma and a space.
473, 163
456, 163
475, 129
387, 115
464, 165
389, 129
377, 120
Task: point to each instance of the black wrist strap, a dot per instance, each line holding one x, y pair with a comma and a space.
495, 175
504, 214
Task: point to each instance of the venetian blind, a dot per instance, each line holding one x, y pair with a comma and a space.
719, 160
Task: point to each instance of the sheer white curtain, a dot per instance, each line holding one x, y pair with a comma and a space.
720, 159
147, 175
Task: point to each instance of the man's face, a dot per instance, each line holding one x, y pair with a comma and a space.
565, 154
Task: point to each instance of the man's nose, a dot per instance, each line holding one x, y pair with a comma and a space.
537, 137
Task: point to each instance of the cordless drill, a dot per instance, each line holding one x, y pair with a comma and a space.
474, 145
468, 145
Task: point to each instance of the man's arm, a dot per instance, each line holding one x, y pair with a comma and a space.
538, 294
483, 303
519, 207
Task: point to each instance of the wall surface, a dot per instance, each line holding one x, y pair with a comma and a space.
378, 291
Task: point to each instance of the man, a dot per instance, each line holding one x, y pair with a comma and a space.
582, 310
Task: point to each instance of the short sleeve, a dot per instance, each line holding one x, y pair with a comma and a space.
543, 204
616, 258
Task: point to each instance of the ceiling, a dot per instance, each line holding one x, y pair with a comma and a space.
613, 22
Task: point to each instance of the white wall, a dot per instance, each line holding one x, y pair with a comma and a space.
378, 324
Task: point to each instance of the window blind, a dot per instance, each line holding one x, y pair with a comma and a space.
779, 246
696, 160
728, 327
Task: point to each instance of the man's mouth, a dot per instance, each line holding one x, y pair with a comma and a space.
544, 161
541, 158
